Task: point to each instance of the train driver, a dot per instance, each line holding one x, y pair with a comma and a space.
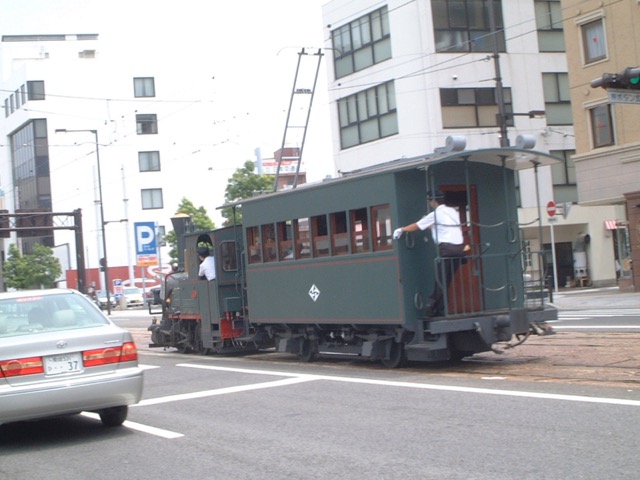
444, 222
207, 268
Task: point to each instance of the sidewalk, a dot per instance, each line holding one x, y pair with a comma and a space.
601, 298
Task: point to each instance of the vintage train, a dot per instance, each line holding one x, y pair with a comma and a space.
314, 270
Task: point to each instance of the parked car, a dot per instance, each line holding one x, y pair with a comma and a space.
60, 355
101, 299
133, 296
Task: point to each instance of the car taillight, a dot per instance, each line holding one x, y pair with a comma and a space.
21, 366
103, 356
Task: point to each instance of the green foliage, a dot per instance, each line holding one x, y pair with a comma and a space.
37, 270
244, 183
199, 218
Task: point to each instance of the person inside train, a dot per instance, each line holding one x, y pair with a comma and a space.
207, 268
444, 222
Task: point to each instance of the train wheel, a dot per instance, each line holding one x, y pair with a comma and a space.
309, 351
397, 356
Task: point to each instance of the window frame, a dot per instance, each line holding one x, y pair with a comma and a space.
144, 87
146, 124
610, 128
149, 198
149, 161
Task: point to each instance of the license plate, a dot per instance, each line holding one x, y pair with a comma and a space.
68, 363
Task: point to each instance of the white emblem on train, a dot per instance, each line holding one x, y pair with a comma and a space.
314, 293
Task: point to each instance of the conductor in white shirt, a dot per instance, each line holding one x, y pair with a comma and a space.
444, 222
207, 268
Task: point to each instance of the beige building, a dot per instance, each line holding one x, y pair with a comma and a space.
603, 37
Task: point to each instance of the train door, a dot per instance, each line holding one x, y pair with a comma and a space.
464, 294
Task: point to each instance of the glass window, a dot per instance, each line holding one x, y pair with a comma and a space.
149, 161
339, 233
35, 90
285, 240
359, 231
549, 23
320, 236
269, 243
381, 217
472, 107
302, 238
368, 115
151, 198
557, 98
253, 244
602, 126
594, 41
228, 258
144, 87
463, 25
146, 124
361, 43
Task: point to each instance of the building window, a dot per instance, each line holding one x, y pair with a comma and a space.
146, 124
368, 115
549, 23
601, 126
361, 43
472, 107
35, 90
557, 99
144, 87
151, 198
463, 26
594, 43
149, 161
563, 174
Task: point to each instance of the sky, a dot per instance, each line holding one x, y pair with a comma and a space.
239, 56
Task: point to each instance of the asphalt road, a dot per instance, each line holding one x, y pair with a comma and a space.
256, 418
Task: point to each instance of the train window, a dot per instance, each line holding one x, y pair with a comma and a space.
339, 233
228, 258
253, 244
359, 230
320, 235
381, 216
269, 243
301, 238
285, 240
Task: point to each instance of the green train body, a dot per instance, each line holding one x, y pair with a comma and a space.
314, 270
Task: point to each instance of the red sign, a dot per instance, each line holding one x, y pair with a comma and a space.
551, 208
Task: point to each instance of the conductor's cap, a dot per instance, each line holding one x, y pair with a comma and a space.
438, 196
202, 251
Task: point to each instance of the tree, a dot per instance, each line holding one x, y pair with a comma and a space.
244, 183
199, 218
37, 270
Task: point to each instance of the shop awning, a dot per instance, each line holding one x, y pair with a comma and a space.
611, 224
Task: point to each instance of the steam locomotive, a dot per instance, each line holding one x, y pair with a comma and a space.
314, 270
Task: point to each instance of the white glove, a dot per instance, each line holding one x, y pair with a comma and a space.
397, 233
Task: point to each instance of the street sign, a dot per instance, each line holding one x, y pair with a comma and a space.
624, 96
551, 208
146, 245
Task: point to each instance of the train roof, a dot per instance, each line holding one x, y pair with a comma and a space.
513, 158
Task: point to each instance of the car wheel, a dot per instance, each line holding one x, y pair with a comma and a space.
114, 416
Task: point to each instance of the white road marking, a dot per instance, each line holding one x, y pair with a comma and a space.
159, 432
224, 391
422, 386
598, 327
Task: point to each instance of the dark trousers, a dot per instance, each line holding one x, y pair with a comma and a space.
451, 258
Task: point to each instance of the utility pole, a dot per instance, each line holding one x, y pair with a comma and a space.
502, 117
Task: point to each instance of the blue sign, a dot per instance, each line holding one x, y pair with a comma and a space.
145, 233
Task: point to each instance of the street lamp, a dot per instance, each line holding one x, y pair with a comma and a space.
103, 261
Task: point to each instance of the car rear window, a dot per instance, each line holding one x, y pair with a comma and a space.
47, 313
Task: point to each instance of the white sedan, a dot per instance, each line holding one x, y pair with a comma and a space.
59, 354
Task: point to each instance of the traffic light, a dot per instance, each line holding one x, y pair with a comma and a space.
627, 79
